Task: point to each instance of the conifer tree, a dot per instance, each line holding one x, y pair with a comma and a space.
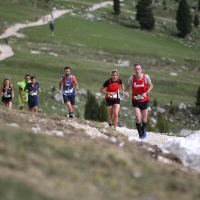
149, 126
116, 7
91, 107
155, 103
183, 19
102, 113
162, 124
144, 15
198, 100
164, 5
198, 5
196, 20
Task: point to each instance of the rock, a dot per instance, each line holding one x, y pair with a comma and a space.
182, 106
184, 132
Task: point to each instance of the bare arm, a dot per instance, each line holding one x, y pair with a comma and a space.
150, 85
127, 90
103, 90
122, 86
76, 85
12, 91
59, 87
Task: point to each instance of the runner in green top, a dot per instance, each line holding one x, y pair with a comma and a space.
23, 96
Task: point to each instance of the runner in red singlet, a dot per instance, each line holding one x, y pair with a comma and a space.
141, 86
111, 90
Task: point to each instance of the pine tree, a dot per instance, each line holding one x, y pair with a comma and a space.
198, 100
198, 5
155, 103
91, 107
164, 5
149, 126
116, 7
144, 15
196, 20
102, 113
162, 124
183, 19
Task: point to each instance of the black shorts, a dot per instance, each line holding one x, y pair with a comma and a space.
112, 102
141, 105
70, 99
6, 100
32, 101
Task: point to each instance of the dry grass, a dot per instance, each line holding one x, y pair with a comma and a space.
77, 165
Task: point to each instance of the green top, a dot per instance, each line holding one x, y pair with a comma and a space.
21, 87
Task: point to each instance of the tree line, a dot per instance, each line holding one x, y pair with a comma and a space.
145, 17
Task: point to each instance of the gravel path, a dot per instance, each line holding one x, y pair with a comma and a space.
6, 50
152, 138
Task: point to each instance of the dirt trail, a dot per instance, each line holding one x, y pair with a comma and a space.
6, 50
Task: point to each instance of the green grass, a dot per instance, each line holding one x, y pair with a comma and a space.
91, 49
38, 166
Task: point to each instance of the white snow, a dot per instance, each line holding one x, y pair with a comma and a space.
186, 149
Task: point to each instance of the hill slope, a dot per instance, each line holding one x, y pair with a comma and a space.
48, 157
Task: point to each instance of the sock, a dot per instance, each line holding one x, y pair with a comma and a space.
70, 115
139, 128
143, 126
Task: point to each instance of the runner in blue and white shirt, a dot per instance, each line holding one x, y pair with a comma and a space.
33, 87
68, 87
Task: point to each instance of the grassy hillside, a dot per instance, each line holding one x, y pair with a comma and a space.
93, 48
76, 165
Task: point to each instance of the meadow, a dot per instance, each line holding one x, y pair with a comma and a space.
78, 166
92, 48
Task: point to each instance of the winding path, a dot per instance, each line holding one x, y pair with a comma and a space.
6, 50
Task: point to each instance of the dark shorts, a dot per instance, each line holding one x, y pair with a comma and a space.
6, 100
32, 101
112, 102
141, 105
69, 98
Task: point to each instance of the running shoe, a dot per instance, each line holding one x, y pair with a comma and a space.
144, 134
110, 125
71, 115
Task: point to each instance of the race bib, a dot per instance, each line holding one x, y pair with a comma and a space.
7, 96
34, 93
138, 97
113, 96
69, 90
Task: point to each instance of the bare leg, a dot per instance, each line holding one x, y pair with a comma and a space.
10, 104
116, 108
69, 106
35, 108
137, 113
144, 115
21, 107
110, 114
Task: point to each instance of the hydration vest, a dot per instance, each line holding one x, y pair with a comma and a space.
72, 79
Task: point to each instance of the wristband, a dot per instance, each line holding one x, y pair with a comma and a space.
126, 92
